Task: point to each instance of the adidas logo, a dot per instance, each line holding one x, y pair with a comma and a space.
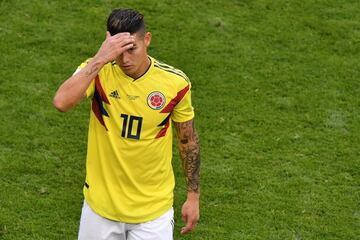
115, 94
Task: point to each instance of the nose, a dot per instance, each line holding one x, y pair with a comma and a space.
124, 57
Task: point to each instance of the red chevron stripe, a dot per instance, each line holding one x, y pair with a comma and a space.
96, 109
171, 105
162, 132
95, 105
101, 90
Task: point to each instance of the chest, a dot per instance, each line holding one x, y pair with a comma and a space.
135, 109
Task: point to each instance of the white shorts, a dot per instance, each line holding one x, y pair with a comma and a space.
96, 227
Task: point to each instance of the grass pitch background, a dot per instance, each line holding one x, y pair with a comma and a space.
276, 90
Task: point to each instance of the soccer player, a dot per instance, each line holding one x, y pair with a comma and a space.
135, 100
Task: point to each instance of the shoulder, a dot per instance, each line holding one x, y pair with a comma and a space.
170, 72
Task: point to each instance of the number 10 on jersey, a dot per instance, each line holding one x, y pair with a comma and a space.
131, 127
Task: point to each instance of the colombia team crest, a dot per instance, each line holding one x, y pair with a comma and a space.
156, 100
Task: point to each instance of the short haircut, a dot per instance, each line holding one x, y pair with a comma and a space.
126, 20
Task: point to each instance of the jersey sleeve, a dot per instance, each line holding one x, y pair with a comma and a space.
184, 110
91, 89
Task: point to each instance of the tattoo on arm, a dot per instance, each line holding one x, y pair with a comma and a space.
189, 147
91, 70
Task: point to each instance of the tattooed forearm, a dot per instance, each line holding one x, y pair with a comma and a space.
188, 142
91, 70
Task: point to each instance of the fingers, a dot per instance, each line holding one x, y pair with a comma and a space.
123, 46
115, 45
190, 215
121, 39
121, 34
120, 42
118, 34
190, 224
188, 228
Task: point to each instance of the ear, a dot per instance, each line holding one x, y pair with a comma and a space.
147, 39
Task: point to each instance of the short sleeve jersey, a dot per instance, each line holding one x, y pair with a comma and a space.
129, 175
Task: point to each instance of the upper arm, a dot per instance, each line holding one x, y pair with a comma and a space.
185, 132
183, 111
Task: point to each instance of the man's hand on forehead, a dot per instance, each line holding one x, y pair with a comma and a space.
121, 34
114, 46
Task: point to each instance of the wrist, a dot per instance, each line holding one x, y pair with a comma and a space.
194, 196
99, 61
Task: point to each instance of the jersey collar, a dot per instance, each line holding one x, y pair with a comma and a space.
143, 77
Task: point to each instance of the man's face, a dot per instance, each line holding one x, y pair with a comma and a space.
134, 62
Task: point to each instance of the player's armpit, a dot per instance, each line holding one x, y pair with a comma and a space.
189, 147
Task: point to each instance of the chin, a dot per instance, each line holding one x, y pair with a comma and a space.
130, 73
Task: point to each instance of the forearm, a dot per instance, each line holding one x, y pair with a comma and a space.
190, 155
189, 147
73, 90
188, 142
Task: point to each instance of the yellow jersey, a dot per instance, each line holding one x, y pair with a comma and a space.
129, 175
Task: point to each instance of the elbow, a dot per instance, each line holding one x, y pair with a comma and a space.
59, 104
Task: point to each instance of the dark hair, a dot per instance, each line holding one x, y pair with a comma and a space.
126, 20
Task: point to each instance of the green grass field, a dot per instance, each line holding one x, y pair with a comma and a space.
276, 86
